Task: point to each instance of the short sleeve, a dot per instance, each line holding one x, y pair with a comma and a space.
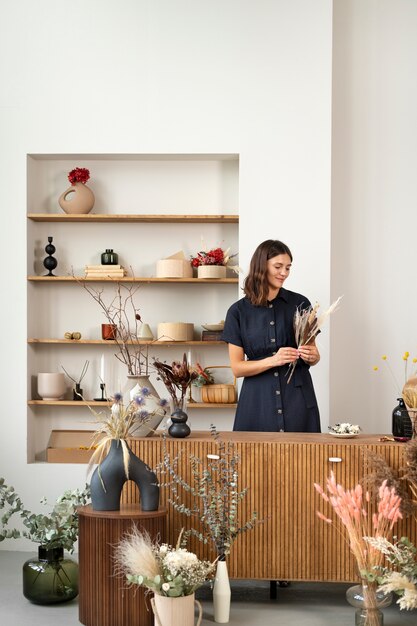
232, 332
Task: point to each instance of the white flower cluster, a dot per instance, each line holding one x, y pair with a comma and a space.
179, 560
345, 428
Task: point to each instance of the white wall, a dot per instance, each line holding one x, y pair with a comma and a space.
374, 199
137, 76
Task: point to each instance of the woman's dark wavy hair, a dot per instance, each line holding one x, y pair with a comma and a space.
256, 286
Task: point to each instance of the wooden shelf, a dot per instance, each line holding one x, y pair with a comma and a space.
100, 217
111, 342
211, 405
78, 403
132, 279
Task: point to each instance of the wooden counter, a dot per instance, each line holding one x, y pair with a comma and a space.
280, 469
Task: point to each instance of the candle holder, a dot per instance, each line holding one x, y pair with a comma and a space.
102, 399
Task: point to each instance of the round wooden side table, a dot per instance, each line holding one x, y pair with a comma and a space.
104, 597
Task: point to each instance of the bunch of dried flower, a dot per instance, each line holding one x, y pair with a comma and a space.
176, 377
307, 325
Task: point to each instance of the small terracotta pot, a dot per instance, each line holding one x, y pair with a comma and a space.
108, 331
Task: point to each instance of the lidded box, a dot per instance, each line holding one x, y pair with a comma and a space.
175, 266
175, 331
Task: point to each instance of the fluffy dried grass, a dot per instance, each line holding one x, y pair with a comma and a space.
135, 554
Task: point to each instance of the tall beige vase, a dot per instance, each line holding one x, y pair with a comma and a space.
175, 611
77, 199
221, 594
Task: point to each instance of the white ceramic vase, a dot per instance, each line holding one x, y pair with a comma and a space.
221, 594
151, 404
176, 611
51, 385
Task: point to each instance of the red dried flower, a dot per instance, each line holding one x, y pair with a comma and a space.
79, 175
216, 256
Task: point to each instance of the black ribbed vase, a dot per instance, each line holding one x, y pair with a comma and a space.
401, 422
109, 477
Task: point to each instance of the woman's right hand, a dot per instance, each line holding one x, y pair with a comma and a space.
285, 356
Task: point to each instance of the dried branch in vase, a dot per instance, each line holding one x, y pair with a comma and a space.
122, 312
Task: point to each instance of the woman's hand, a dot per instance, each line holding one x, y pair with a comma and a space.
285, 356
309, 354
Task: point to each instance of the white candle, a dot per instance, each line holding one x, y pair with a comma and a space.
189, 358
102, 369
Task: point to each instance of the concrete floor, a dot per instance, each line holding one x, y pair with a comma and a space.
309, 604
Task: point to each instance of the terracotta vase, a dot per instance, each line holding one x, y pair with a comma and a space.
77, 199
175, 611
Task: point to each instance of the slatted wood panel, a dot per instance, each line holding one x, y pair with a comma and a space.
280, 469
104, 598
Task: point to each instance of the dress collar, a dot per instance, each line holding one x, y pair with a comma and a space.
282, 293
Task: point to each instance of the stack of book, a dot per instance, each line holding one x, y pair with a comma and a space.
104, 271
211, 335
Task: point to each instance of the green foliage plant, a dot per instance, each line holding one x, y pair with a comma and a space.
58, 529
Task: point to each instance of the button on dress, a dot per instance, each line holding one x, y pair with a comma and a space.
267, 402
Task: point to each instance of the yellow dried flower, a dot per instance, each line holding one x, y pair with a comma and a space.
414, 360
375, 368
384, 357
406, 355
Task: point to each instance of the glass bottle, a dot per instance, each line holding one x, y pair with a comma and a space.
109, 257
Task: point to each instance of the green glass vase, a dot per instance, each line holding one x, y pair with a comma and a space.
50, 578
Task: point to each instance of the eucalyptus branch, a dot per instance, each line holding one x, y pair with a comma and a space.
214, 493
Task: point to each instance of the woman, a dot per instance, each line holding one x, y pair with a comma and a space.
260, 334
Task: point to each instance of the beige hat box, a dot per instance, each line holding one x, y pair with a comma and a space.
175, 331
175, 266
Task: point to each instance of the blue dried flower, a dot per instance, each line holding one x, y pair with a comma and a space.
162, 402
118, 397
145, 391
144, 414
139, 400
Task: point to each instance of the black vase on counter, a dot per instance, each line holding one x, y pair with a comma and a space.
401, 422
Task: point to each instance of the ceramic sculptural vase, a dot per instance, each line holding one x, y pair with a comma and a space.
77, 199
175, 611
109, 477
51, 578
401, 422
179, 428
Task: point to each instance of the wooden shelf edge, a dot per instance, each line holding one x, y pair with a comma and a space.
68, 403
132, 279
111, 342
121, 217
210, 405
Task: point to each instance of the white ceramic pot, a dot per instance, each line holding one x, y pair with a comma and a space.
175, 611
51, 385
211, 271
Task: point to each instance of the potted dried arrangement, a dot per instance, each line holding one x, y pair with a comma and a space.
77, 199
212, 499
50, 578
77, 393
116, 463
212, 264
363, 519
172, 574
177, 378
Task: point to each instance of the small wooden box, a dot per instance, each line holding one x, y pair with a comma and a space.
175, 331
174, 268
69, 446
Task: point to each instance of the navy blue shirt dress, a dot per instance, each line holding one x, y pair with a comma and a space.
267, 402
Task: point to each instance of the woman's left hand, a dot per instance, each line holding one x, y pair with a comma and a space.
309, 354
